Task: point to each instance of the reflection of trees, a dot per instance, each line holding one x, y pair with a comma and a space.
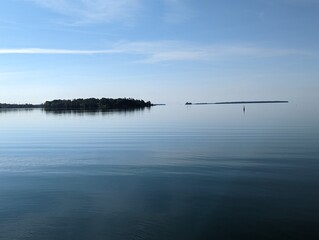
127, 111
96, 104
8, 110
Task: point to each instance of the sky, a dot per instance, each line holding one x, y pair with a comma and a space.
165, 51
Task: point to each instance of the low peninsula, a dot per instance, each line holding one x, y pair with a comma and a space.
237, 102
249, 102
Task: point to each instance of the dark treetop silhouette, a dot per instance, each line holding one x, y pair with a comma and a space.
96, 104
7, 105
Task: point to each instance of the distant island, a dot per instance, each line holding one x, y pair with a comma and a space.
96, 104
85, 104
237, 102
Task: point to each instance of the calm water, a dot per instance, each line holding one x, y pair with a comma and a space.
172, 172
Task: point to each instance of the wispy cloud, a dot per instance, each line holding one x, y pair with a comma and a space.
81, 12
163, 51
54, 51
92, 11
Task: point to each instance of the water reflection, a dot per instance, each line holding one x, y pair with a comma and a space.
128, 111
10, 110
203, 172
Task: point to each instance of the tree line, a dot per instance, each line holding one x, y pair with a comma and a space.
7, 105
96, 104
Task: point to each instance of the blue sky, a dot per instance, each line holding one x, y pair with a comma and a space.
166, 51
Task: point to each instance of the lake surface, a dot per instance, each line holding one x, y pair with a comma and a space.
169, 172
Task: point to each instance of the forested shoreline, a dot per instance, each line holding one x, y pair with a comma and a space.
8, 105
85, 104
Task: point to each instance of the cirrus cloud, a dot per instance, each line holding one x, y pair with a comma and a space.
164, 51
92, 11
